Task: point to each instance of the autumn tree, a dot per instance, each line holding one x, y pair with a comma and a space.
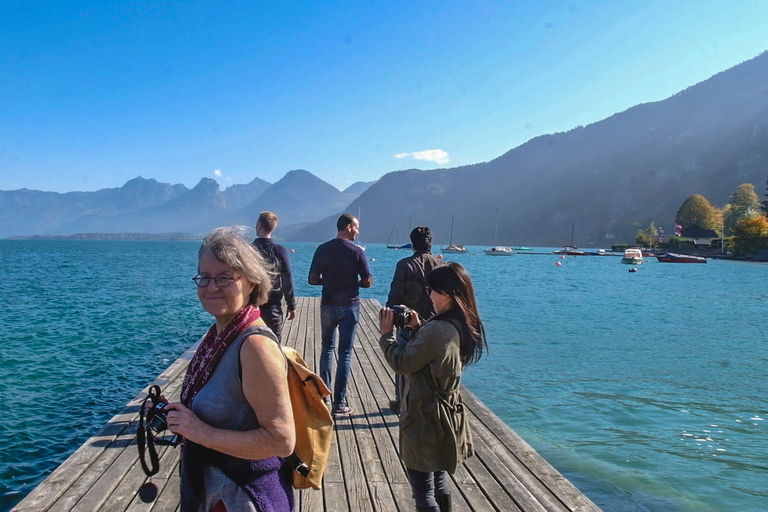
698, 210
744, 204
750, 235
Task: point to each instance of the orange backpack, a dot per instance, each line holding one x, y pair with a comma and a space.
314, 424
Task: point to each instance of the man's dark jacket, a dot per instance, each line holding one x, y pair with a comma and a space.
409, 283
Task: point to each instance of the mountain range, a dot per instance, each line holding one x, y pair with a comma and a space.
611, 178
148, 206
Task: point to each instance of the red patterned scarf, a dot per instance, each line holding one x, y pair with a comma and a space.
211, 350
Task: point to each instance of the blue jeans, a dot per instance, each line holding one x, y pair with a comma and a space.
426, 487
345, 318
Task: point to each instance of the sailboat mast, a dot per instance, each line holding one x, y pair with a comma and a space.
496, 230
450, 240
573, 228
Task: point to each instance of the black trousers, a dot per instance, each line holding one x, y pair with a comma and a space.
272, 314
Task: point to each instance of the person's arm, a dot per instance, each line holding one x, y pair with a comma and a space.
366, 280
315, 278
287, 280
397, 286
417, 353
266, 388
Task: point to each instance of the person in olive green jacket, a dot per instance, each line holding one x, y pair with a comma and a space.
434, 433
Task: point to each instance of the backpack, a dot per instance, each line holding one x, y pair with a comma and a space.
314, 424
313, 420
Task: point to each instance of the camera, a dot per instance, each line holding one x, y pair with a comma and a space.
402, 315
157, 417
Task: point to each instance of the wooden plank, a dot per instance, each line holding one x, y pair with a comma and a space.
105, 474
168, 499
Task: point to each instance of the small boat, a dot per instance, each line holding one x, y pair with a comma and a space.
498, 250
520, 248
398, 246
571, 250
671, 257
633, 257
454, 248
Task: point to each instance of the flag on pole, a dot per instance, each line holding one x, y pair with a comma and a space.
678, 230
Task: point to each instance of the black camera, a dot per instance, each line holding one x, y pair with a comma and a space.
402, 315
157, 417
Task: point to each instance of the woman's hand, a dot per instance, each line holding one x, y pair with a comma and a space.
386, 321
414, 322
181, 420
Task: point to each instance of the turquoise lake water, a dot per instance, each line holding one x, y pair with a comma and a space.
648, 390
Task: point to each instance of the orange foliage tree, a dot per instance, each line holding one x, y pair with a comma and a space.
750, 235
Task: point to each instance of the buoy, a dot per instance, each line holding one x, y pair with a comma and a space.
293, 250
373, 259
633, 270
558, 264
439, 256
562, 256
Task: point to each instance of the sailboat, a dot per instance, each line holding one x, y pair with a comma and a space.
398, 246
498, 250
357, 242
521, 247
453, 248
571, 249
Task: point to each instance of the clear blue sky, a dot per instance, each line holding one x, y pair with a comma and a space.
93, 94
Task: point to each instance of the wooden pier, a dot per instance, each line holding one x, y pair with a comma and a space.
364, 472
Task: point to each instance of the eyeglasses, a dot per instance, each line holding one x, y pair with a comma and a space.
222, 280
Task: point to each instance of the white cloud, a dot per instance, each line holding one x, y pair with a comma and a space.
217, 173
431, 155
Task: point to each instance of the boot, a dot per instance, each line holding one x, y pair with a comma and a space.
444, 502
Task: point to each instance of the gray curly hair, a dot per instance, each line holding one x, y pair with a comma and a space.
228, 245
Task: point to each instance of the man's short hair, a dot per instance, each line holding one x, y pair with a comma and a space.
421, 238
345, 220
268, 221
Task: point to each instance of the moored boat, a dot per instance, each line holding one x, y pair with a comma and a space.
499, 251
672, 257
454, 248
633, 257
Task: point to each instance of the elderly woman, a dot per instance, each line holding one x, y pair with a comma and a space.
235, 412
434, 433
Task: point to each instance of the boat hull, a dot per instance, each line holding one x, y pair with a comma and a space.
455, 249
499, 251
680, 258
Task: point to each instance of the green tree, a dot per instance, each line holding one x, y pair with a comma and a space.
698, 210
750, 235
647, 237
744, 205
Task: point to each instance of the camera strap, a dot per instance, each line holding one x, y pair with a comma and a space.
146, 439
